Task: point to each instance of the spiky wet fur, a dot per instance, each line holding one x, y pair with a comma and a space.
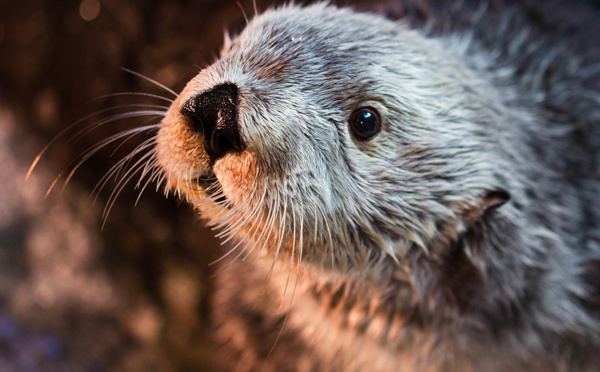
386, 255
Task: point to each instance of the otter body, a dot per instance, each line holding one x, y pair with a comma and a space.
452, 227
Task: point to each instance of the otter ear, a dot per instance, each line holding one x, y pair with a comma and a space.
488, 201
494, 199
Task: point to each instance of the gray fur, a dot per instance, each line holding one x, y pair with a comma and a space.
392, 254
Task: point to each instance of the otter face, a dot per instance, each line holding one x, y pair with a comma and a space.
335, 137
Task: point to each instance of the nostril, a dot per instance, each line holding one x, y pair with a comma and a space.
221, 144
215, 114
194, 123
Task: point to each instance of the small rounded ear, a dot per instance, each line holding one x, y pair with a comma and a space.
494, 199
488, 201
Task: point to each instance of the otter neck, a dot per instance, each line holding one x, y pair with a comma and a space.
442, 287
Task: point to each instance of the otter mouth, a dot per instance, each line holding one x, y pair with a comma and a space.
207, 181
210, 184
200, 187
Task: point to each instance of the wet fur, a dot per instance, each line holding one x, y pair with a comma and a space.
463, 237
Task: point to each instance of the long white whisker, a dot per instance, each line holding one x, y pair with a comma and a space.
268, 226
225, 219
281, 234
226, 216
115, 169
118, 94
79, 160
288, 312
89, 153
124, 115
127, 177
293, 213
150, 142
328, 234
150, 80
61, 134
235, 247
151, 164
253, 230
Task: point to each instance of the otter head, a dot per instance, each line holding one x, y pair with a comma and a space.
339, 138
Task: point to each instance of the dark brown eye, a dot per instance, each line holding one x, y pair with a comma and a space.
365, 123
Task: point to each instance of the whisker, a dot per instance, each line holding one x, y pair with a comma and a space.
119, 94
52, 186
254, 229
224, 220
274, 202
288, 312
319, 252
234, 248
281, 234
150, 167
291, 255
154, 175
241, 222
124, 115
162, 177
268, 226
301, 245
150, 80
122, 183
151, 164
242, 9
87, 154
115, 169
87, 128
83, 157
328, 234
146, 143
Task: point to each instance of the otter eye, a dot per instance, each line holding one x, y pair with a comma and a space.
365, 123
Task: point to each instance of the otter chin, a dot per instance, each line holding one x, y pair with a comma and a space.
414, 199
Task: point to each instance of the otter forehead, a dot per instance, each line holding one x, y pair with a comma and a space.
317, 30
336, 59
340, 59
306, 49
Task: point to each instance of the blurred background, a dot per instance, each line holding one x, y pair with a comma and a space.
134, 294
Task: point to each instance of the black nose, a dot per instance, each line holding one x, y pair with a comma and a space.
215, 113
